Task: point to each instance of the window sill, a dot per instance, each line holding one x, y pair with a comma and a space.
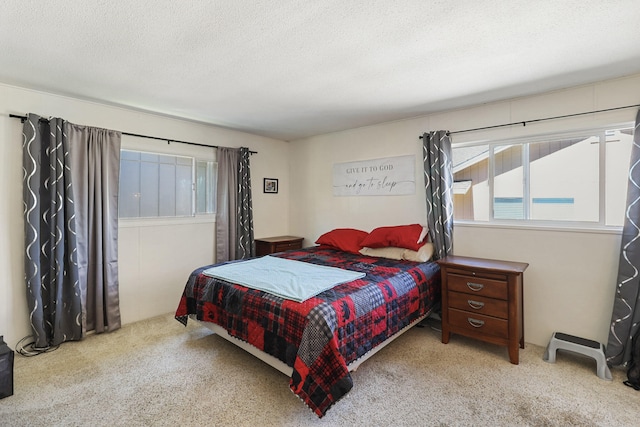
166, 221
556, 227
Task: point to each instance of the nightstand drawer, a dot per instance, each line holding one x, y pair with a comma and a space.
280, 247
478, 304
270, 245
478, 286
478, 323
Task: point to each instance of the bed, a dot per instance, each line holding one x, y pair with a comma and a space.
318, 342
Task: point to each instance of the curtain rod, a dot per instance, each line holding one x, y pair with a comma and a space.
24, 118
524, 123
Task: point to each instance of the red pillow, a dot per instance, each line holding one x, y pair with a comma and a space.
345, 239
399, 236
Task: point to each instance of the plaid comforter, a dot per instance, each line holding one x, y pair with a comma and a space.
322, 335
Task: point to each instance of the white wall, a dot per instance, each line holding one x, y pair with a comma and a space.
155, 258
570, 282
568, 286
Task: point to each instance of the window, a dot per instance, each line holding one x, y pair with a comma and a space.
206, 184
159, 185
578, 178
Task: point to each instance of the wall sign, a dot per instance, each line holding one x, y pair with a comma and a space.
391, 176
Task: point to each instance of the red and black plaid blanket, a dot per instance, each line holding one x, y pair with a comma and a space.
321, 335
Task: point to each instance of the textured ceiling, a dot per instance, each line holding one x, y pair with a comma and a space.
289, 68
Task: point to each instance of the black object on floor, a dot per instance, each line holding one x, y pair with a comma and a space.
6, 369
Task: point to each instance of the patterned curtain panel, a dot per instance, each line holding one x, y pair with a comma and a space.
438, 181
246, 244
51, 268
625, 319
95, 166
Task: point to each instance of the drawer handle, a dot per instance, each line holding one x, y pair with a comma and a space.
476, 305
475, 322
475, 286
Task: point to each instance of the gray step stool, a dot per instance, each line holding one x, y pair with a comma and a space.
594, 349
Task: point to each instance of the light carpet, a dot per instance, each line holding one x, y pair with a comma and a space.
158, 373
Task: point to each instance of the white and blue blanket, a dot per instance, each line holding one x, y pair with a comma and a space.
289, 279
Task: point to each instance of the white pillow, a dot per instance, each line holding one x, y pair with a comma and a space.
423, 254
425, 230
388, 252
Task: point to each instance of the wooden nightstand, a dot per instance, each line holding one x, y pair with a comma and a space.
269, 245
482, 299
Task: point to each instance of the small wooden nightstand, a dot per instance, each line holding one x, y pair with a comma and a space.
269, 245
482, 299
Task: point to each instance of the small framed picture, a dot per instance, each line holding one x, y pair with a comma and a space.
270, 185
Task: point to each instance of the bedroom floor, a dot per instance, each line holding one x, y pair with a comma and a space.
157, 372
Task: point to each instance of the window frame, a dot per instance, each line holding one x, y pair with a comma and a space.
194, 217
525, 142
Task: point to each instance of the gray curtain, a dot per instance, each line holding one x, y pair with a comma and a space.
51, 268
70, 194
625, 318
438, 181
234, 213
95, 167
